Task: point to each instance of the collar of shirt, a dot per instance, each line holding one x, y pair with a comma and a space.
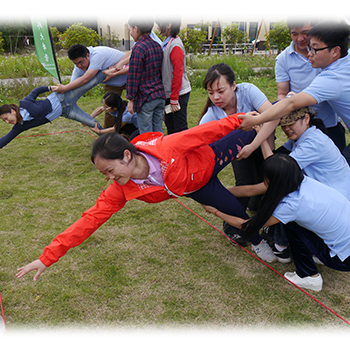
292, 51
155, 177
167, 42
302, 137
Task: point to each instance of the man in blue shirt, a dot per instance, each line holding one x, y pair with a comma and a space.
294, 72
328, 50
88, 61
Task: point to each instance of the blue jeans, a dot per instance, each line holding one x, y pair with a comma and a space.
69, 99
150, 116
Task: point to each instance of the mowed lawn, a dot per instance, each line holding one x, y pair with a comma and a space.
150, 265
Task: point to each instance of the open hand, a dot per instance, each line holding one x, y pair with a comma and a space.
36, 265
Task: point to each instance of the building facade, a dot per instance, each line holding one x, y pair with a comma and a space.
109, 23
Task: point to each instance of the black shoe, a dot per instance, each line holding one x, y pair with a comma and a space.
234, 235
283, 256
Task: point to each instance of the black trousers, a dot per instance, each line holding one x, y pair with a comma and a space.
177, 121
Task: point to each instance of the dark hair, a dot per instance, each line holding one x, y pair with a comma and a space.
283, 176
8, 108
213, 74
144, 24
111, 146
333, 34
175, 24
299, 23
316, 121
112, 99
76, 51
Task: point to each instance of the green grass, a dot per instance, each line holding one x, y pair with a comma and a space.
17, 66
149, 265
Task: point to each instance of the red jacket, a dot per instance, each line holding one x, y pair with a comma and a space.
187, 163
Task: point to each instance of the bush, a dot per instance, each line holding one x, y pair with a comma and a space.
2, 42
232, 35
279, 35
78, 34
192, 39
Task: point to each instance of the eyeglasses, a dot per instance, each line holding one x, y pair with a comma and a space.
314, 51
80, 62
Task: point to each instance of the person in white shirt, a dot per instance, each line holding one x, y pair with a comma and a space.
88, 61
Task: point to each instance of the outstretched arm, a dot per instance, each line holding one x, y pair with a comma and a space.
278, 110
89, 74
110, 201
17, 129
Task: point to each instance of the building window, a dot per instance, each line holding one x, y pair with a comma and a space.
253, 29
241, 26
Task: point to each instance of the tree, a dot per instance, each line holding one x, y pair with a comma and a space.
78, 34
193, 39
1, 44
232, 35
10, 24
279, 35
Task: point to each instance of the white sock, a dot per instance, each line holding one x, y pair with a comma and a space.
280, 248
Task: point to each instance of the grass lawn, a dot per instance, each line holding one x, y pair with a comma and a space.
150, 265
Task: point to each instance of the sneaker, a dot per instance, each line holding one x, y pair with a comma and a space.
283, 256
313, 283
264, 251
233, 235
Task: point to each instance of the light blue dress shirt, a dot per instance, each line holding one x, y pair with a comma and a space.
102, 58
320, 159
249, 98
333, 85
297, 69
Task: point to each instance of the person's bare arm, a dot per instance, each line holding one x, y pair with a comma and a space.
88, 75
278, 110
282, 90
248, 190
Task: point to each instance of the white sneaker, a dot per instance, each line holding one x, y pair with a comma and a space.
313, 283
264, 251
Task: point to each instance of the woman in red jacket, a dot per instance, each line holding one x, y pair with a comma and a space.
154, 168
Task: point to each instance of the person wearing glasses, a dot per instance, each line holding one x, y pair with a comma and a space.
328, 50
294, 73
87, 62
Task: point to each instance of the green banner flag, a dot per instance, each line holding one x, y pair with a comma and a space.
43, 46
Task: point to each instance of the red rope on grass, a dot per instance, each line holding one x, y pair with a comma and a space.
271, 268
2, 313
